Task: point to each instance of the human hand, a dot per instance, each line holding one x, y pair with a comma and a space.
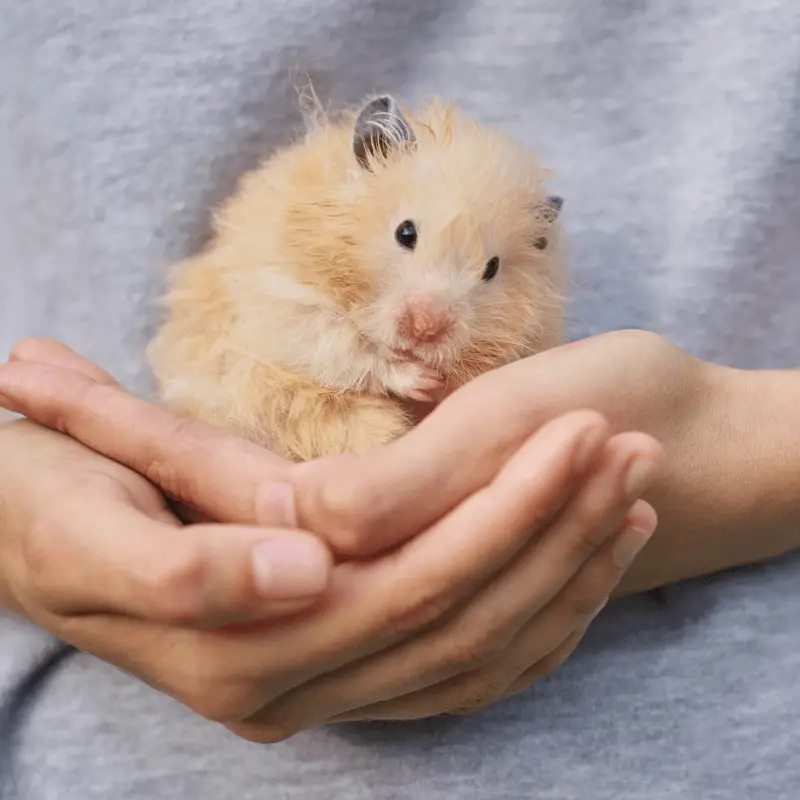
360, 515
206, 474
89, 544
729, 438
523, 621
428, 587
697, 410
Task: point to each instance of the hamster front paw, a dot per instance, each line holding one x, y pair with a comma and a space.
415, 381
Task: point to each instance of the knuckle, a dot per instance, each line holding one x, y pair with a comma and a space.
206, 686
220, 703
584, 418
585, 604
352, 505
71, 398
411, 613
209, 687
176, 583
587, 537
182, 437
471, 650
80, 391
174, 461
589, 526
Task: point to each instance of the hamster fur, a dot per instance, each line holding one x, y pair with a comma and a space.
379, 258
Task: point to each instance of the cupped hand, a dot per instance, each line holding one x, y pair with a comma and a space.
511, 547
636, 380
83, 537
574, 531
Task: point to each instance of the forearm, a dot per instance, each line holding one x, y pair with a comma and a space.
730, 495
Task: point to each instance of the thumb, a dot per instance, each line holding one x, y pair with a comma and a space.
118, 560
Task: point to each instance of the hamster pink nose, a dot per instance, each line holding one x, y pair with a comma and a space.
424, 321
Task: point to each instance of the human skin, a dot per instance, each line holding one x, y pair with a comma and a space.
536, 546
727, 493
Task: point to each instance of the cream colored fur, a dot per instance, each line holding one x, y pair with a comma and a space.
282, 328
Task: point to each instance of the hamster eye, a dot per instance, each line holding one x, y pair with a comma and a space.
406, 235
540, 243
492, 268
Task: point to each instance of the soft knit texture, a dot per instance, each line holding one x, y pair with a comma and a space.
673, 128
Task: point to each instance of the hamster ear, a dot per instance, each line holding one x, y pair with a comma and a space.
550, 210
380, 127
552, 204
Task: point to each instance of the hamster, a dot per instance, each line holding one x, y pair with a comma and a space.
381, 257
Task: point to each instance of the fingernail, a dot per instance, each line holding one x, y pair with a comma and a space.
290, 568
276, 505
640, 473
628, 545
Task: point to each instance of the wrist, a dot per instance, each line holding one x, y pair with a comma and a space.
730, 494
758, 451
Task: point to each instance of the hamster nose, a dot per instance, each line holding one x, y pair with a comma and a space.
424, 321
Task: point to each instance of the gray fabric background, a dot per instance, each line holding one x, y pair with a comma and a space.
674, 130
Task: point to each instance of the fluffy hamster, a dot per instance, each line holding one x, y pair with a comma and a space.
380, 257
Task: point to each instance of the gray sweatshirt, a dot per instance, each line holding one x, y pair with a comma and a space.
675, 132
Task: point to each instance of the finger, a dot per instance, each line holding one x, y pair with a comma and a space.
119, 560
540, 647
232, 676
441, 700
482, 632
630, 463
434, 574
370, 504
527, 658
547, 666
57, 354
179, 662
168, 658
174, 660
542, 669
216, 473
367, 505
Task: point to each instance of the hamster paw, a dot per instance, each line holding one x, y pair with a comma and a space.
417, 382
